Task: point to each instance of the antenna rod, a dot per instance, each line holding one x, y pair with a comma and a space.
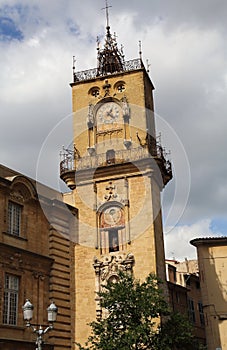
140, 49
148, 66
74, 61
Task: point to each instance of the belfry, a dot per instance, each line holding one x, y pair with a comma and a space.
116, 172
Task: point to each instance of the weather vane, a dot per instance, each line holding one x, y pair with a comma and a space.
107, 13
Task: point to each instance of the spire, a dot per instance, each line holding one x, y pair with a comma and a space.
110, 58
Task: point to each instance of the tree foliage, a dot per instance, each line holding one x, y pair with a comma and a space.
175, 333
133, 312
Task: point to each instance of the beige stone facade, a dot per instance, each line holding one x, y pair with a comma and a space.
116, 173
212, 253
36, 256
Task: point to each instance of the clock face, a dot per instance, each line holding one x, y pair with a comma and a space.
108, 113
112, 216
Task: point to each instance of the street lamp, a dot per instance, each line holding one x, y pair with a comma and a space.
51, 314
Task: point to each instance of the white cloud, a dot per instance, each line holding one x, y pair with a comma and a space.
177, 239
187, 54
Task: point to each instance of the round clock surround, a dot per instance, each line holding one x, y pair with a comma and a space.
108, 113
112, 215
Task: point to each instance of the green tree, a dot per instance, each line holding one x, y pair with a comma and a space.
133, 309
176, 333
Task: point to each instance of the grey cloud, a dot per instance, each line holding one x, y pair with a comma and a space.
186, 45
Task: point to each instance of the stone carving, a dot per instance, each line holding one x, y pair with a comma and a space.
106, 88
107, 269
90, 116
76, 152
17, 196
38, 275
125, 107
112, 264
14, 261
111, 189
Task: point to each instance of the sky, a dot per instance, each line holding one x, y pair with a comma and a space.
185, 45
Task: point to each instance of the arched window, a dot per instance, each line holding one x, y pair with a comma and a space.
120, 86
112, 229
94, 91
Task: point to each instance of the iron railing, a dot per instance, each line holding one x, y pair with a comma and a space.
94, 73
70, 161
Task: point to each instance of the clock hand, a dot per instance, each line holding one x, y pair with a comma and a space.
109, 114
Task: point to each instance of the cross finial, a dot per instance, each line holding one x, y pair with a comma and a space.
107, 13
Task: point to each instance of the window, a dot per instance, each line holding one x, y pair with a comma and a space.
201, 314
197, 285
110, 156
10, 306
187, 280
14, 218
120, 86
113, 240
112, 227
178, 297
95, 91
191, 310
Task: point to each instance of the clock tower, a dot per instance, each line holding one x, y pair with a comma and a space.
116, 172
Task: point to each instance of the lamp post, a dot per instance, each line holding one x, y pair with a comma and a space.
51, 314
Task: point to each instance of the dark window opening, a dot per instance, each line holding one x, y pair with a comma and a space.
187, 280
95, 92
113, 241
191, 310
197, 285
110, 156
121, 88
201, 314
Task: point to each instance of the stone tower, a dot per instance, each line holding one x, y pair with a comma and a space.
116, 172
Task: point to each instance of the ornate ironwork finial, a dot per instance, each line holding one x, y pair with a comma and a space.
110, 58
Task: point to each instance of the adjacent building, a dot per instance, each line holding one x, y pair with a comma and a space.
36, 255
185, 293
212, 259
